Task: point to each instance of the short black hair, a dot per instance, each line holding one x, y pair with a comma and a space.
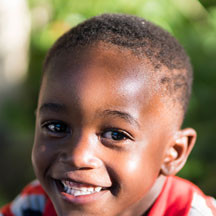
144, 39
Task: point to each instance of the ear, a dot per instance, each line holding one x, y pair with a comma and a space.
178, 151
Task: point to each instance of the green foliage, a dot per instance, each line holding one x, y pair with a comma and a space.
192, 23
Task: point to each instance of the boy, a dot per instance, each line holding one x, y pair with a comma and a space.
108, 140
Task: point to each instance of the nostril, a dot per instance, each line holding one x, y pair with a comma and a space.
95, 162
86, 161
81, 160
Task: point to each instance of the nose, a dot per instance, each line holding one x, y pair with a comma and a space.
81, 153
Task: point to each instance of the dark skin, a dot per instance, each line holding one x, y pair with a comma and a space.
100, 123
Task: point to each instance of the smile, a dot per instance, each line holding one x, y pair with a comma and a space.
76, 189
78, 192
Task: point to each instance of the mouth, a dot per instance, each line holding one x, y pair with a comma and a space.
78, 192
78, 189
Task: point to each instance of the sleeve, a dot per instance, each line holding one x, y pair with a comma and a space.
31, 202
202, 206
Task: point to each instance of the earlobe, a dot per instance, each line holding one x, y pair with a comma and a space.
178, 151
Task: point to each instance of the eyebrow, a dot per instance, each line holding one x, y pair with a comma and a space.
53, 107
123, 115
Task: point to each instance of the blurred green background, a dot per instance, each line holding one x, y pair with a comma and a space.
192, 22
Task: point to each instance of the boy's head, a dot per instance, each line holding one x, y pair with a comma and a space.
112, 99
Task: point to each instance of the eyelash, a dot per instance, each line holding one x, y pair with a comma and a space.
63, 129
56, 128
120, 135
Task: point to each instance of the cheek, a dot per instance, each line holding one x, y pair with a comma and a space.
42, 155
138, 171
132, 164
38, 158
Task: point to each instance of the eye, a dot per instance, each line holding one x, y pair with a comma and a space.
116, 135
56, 128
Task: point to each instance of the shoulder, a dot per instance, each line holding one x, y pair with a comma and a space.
31, 201
202, 205
180, 197
199, 204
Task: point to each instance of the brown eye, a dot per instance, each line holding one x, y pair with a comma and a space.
55, 127
115, 135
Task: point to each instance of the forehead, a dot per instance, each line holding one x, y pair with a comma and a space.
102, 69
100, 54
103, 61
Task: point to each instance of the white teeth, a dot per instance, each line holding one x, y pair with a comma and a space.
70, 188
98, 189
91, 189
84, 189
79, 193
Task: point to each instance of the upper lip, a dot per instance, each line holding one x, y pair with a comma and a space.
86, 180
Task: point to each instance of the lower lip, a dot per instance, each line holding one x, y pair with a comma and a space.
83, 199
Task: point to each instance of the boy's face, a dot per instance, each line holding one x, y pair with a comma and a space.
100, 125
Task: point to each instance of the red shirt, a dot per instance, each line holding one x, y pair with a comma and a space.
178, 197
